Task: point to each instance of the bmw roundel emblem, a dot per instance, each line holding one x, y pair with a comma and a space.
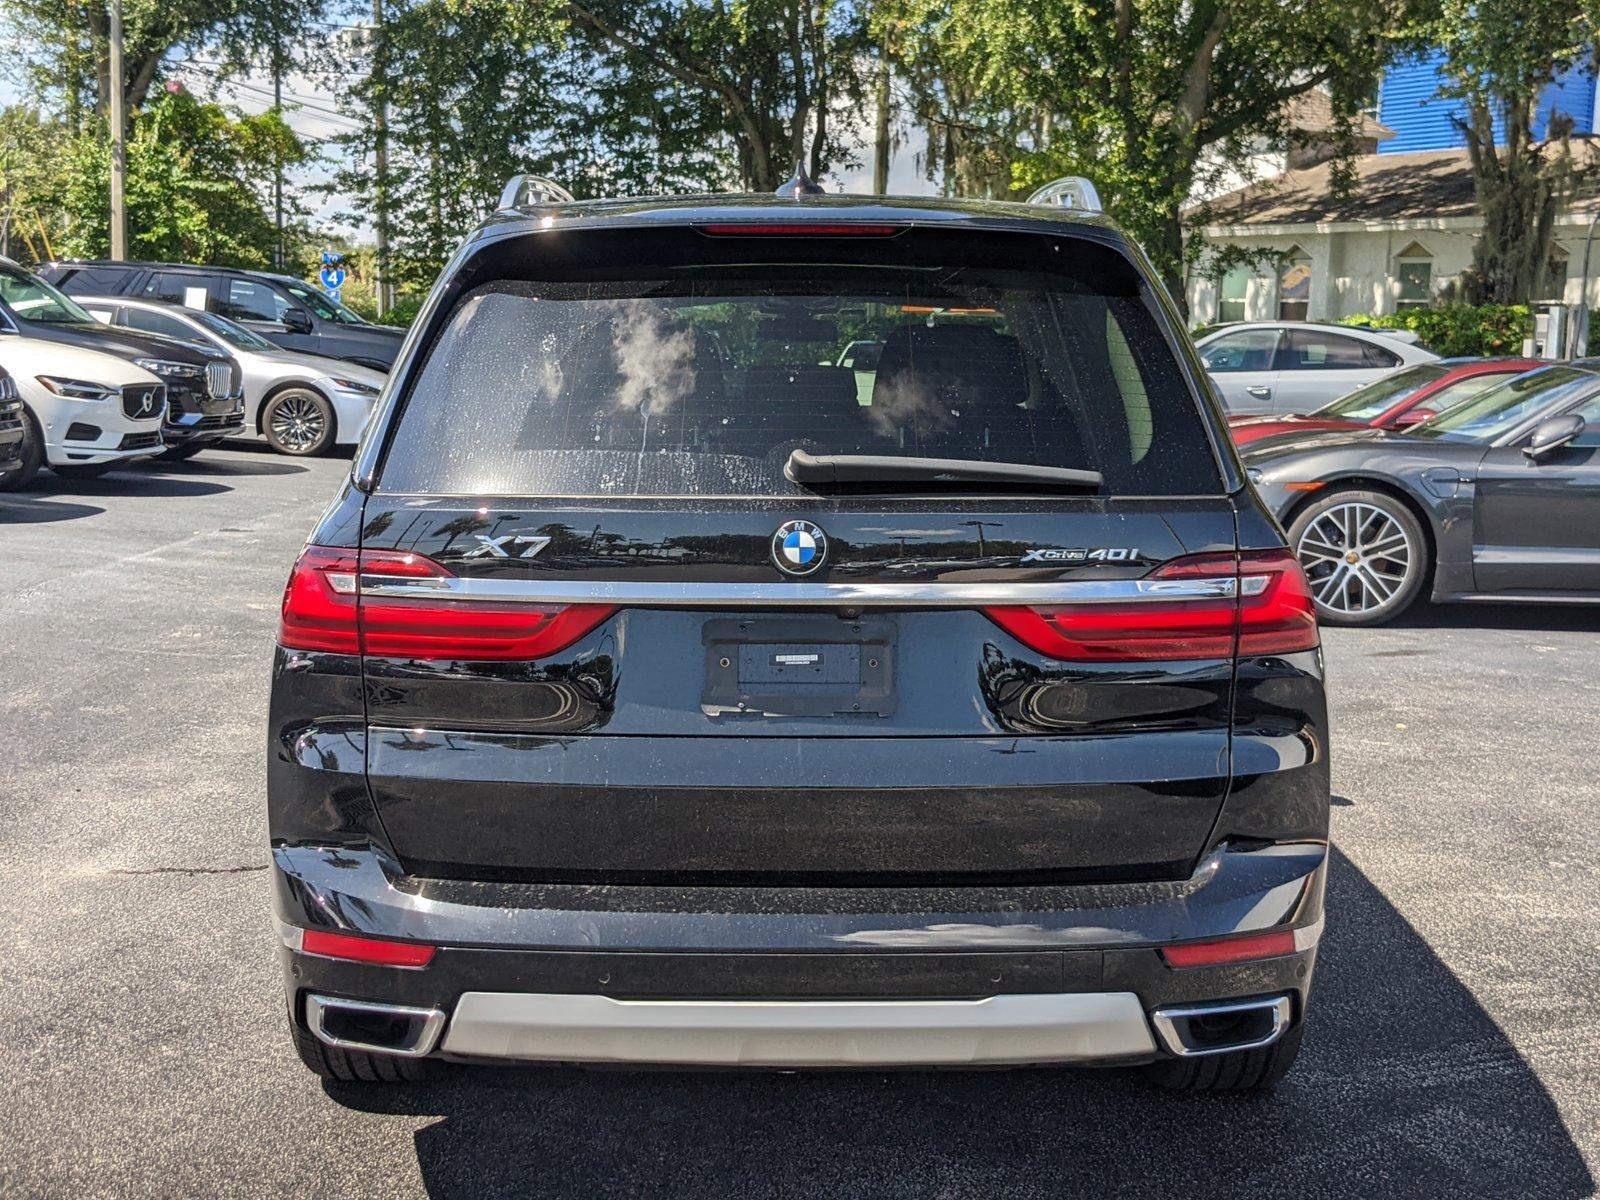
799, 547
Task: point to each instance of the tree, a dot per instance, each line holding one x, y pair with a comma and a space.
1500, 57
196, 176
65, 51
33, 154
781, 72
1148, 97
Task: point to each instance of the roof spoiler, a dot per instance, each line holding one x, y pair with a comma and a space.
530, 191
1070, 191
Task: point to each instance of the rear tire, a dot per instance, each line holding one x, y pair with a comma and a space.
32, 455
357, 1066
1365, 556
299, 422
1237, 1071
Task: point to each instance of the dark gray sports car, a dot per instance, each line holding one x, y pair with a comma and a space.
1495, 499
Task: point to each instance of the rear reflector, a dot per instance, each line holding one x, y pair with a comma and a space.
1230, 950
806, 229
367, 950
327, 606
1270, 611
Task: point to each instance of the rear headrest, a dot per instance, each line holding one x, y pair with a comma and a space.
809, 383
957, 365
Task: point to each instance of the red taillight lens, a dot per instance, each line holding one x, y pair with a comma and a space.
319, 605
329, 605
1270, 613
367, 950
1230, 950
1276, 612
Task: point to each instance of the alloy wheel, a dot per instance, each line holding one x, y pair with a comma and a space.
1357, 558
297, 423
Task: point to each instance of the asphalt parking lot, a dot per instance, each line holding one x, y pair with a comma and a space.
1455, 1049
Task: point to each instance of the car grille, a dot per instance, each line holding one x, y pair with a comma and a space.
219, 380
10, 413
220, 421
141, 400
140, 441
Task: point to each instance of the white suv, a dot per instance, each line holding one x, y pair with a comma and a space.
85, 411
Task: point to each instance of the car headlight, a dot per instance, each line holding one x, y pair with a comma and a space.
78, 389
352, 385
168, 369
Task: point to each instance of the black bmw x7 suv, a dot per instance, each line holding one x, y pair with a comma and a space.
658, 691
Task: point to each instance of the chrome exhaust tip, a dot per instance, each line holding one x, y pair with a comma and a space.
396, 1029
1222, 1026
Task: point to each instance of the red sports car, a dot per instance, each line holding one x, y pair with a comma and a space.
1398, 401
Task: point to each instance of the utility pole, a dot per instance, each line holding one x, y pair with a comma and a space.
380, 146
119, 162
278, 254
880, 157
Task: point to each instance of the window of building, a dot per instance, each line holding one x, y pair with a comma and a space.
1414, 270
1294, 286
1235, 287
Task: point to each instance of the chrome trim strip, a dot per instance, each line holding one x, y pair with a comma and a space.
1165, 1021
1005, 1029
427, 1034
667, 594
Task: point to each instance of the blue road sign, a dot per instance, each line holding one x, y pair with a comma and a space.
332, 279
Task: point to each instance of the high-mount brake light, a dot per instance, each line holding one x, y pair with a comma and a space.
798, 229
1269, 610
329, 605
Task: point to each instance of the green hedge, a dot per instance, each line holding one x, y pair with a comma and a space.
1461, 329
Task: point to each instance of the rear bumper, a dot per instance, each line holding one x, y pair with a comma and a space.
801, 977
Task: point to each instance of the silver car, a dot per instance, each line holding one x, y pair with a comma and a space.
1278, 367
301, 403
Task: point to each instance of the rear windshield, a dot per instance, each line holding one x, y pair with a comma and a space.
698, 374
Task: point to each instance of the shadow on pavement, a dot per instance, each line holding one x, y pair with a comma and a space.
201, 466
1406, 1087
41, 512
1551, 617
123, 482
259, 446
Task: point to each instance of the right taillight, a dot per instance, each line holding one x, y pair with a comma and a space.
1276, 612
330, 605
1268, 611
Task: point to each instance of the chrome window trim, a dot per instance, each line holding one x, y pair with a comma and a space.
669, 594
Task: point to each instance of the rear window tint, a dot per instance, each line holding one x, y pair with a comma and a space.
696, 377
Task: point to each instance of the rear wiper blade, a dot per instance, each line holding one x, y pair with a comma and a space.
880, 471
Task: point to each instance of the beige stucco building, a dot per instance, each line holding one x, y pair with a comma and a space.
1403, 232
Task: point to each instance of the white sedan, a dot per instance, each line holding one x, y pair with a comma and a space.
1297, 366
301, 403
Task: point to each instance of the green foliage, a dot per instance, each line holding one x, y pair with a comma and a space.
1461, 329
776, 78
32, 163
1500, 56
195, 176
1148, 97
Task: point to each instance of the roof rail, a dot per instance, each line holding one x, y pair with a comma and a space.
524, 191
1070, 191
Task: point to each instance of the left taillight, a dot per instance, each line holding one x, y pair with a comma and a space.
329, 605
1269, 610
